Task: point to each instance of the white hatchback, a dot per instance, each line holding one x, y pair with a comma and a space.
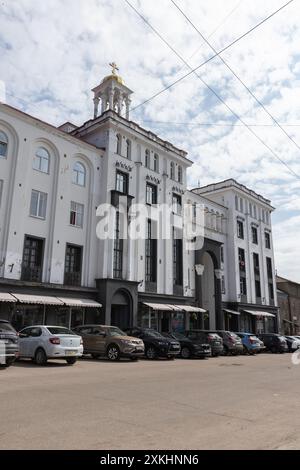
41, 342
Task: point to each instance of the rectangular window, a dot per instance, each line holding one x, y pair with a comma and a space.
118, 250
151, 253
242, 263
250, 209
254, 235
271, 291
76, 214
1, 190
32, 261
151, 194
256, 263
38, 204
122, 182
73, 263
222, 254
269, 268
257, 289
255, 212
176, 202
267, 240
177, 259
243, 286
241, 205
240, 229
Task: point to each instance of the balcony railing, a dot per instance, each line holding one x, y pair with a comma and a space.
31, 274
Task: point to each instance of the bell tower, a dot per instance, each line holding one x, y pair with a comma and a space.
112, 94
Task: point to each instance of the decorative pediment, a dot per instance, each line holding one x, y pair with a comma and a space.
123, 165
178, 190
153, 179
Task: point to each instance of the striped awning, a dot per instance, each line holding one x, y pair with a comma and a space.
233, 312
257, 313
37, 299
163, 307
190, 308
6, 297
175, 308
71, 302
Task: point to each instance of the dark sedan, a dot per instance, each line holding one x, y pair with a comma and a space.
9, 346
190, 348
156, 345
213, 339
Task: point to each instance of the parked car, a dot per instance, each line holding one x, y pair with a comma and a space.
251, 343
274, 342
262, 346
293, 343
156, 345
232, 343
202, 336
190, 348
9, 347
109, 341
41, 342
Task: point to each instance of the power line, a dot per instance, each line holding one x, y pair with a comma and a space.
207, 60
208, 86
235, 74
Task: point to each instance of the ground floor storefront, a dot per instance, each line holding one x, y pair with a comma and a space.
251, 318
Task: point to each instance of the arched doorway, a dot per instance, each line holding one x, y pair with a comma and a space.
208, 292
121, 307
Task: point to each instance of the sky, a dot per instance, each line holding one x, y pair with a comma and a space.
53, 53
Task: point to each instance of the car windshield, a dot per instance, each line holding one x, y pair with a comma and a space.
153, 333
115, 331
281, 339
59, 330
179, 336
6, 327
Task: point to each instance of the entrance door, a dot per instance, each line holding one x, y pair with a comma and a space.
165, 322
120, 316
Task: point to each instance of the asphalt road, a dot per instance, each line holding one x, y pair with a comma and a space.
220, 403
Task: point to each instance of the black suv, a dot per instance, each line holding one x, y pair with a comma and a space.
190, 348
156, 345
213, 339
9, 344
274, 342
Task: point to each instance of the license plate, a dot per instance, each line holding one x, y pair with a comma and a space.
71, 353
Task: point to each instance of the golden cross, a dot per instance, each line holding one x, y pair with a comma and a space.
114, 67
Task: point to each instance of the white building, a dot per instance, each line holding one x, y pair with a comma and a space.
53, 266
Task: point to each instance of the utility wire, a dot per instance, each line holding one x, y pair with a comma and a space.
208, 86
207, 60
235, 74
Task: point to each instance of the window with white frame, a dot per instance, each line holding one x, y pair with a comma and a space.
41, 160
38, 204
179, 174
79, 174
147, 158
255, 212
3, 144
172, 170
156, 163
119, 144
236, 203
76, 214
241, 205
128, 149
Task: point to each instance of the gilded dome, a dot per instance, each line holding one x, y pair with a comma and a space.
114, 77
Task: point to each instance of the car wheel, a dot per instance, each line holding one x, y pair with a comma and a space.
95, 356
113, 352
273, 350
185, 353
40, 357
245, 351
151, 352
9, 362
71, 360
225, 351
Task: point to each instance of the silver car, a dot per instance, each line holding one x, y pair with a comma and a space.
41, 343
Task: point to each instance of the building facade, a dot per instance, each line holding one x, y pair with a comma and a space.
60, 263
288, 293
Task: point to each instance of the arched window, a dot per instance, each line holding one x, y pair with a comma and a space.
119, 144
180, 174
147, 158
3, 144
128, 149
172, 170
79, 174
156, 163
41, 161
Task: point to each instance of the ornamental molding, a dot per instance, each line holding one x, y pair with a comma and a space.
123, 165
178, 190
153, 179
